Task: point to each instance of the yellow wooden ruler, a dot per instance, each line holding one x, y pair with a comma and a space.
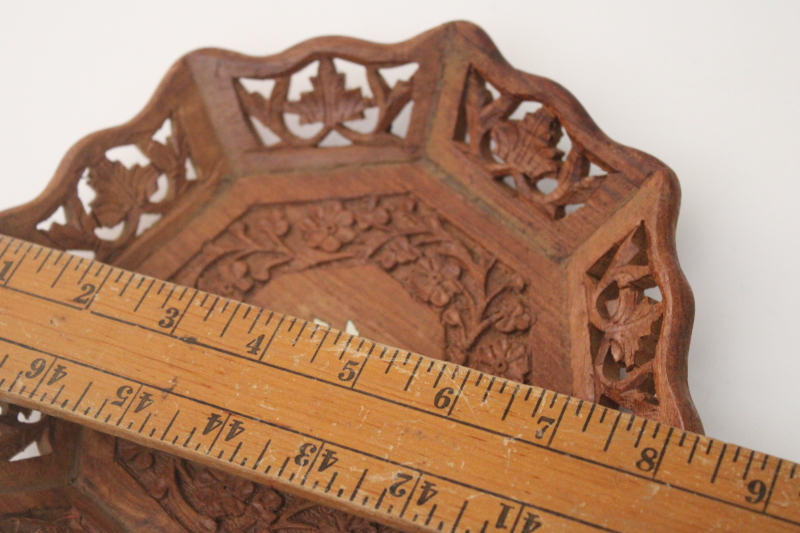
421, 444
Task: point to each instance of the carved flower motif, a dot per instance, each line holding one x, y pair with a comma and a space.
273, 221
217, 494
229, 278
397, 252
514, 318
374, 217
435, 280
328, 227
504, 359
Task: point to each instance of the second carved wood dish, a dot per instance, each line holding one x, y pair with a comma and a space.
450, 205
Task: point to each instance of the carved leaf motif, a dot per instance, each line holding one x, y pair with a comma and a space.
630, 315
303, 515
329, 102
524, 151
48, 521
120, 190
631, 318
629, 323
529, 145
199, 498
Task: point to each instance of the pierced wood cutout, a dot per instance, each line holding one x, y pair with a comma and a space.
16, 435
126, 195
519, 154
450, 218
625, 325
330, 105
482, 303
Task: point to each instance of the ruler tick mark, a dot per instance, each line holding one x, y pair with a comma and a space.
488, 389
125, 288
664, 451
510, 401
189, 438
430, 514
358, 485
441, 371
45, 261
719, 462
603, 416
641, 432
53, 401
283, 466
413, 373
394, 356
261, 456
144, 295
346, 346
146, 420
89, 386
380, 499
557, 425
299, 333
227, 324
736, 455
611, 434
694, 448
101, 408
325, 336
460, 514
588, 418
255, 321
210, 309
747, 468
169, 426
272, 337
62, 270
330, 483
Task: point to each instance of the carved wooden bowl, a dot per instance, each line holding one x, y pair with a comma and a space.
451, 205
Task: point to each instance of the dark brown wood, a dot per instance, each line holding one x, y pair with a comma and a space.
478, 235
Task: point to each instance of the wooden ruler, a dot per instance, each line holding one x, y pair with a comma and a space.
421, 444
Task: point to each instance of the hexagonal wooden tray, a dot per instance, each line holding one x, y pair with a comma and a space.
450, 204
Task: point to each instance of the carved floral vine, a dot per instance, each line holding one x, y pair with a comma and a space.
16, 435
68, 520
625, 325
124, 195
482, 303
330, 104
521, 153
202, 499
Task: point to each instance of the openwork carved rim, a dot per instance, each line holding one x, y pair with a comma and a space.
464, 131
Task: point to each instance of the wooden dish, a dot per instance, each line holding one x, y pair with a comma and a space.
452, 205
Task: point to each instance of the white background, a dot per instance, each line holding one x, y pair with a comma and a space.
710, 88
